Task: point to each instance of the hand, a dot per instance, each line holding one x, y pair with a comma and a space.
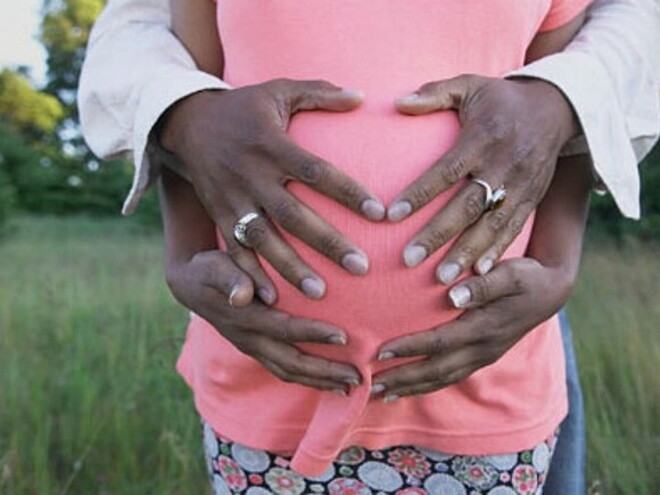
212, 286
512, 132
502, 306
235, 150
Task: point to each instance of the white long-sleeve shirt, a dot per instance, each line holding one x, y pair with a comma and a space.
136, 69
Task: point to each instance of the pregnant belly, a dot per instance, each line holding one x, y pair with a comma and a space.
385, 151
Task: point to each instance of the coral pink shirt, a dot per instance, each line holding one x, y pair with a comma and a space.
388, 49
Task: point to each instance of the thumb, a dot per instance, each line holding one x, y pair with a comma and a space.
447, 94
501, 281
223, 275
322, 95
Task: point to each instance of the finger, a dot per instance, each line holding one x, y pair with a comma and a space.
319, 95
325, 178
421, 378
292, 365
264, 239
300, 221
514, 227
463, 158
465, 208
439, 95
472, 292
219, 272
247, 260
440, 340
339, 387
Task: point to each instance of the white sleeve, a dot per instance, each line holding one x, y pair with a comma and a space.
609, 74
134, 70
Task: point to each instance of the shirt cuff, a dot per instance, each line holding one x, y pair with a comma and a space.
582, 80
168, 86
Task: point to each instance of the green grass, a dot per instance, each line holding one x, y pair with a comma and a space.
89, 401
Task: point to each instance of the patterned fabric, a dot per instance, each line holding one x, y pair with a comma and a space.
404, 470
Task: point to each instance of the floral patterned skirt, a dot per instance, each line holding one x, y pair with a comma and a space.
401, 470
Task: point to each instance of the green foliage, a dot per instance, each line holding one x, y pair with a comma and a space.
605, 218
25, 108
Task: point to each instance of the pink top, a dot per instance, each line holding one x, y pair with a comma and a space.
388, 49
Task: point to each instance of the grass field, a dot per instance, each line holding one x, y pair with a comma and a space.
89, 403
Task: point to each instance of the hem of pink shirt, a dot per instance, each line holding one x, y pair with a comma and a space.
284, 439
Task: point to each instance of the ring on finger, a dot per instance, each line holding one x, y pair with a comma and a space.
494, 199
241, 227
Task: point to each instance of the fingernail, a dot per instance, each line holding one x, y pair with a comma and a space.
340, 391
448, 272
412, 98
232, 295
266, 295
377, 388
399, 211
355, 263
353, 93
460, 296
352, 381
390, 398
337, 339
484, 265
313, 288
385, 355
374, 210
414, 255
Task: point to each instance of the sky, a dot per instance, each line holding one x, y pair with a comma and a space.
19, 23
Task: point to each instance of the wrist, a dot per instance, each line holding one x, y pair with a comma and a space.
174, 124
568, 124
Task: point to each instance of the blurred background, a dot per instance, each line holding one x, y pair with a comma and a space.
89, 401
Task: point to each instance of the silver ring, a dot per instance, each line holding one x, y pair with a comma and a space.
494, 199
241, 226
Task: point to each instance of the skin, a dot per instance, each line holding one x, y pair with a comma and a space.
512, 133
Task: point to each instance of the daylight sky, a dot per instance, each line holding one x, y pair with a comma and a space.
19, 21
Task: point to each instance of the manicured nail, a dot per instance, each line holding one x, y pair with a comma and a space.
414, 255
448, 272
385, 355
340, 391
353, 93
313, 288
377, 388
460, 296
399, 211
351, 380
374, 210
356, 263
390, 398
484, 265
266, 295
232, 295
337, 339
412, 98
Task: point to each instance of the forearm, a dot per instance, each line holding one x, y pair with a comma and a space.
187, 227
607, 74
134, 70
556, 240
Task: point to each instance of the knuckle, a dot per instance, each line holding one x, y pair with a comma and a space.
256, 233
434, 238
351, 194
496, 220
421, 194
453, 171
286, 213
516, 224
311, 171
330, 245
480, 289
474, 206
284, 329
439, 344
